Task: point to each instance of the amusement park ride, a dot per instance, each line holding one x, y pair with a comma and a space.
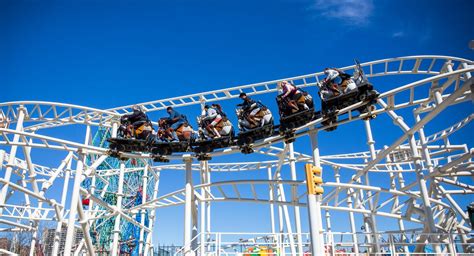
109, 182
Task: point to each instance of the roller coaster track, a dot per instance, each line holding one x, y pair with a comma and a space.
271, 151
462, 95
443, 81
60, 113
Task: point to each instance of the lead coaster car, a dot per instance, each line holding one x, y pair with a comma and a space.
246, 138
290, 122
364, 93
127, 145
168, 148
208, 146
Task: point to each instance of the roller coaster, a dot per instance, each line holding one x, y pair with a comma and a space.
106, 185
290, 119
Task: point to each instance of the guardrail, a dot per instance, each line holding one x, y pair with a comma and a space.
336, 244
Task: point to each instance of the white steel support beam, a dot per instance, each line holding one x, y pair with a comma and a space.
151, 221
430, 226
78, 178
422, 183
373, 221
11, 159
294, 198
85, 229
314, 205
73, 206
330, 237
271, 198
401, 225
449, 100
427, 158
202, 208
64, 193
353, 227
2, 157
188, 208
208, 207
286, 214
281, 227
34, 184
141, 241
90, 210
116, 233
195, 220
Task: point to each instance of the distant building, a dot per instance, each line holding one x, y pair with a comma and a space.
49, 240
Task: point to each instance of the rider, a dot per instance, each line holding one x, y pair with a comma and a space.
137, 118
290, 94
250, 107
213, 117
336, 78
219, 110
176, 120
332, 80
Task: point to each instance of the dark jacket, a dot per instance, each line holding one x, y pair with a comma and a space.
137, 116
248, 104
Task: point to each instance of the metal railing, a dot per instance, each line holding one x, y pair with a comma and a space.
336, 244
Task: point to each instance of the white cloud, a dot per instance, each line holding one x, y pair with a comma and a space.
355, 12
398, 34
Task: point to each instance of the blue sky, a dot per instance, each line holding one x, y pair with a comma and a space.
105, 54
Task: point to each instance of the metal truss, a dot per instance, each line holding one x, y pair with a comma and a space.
424, 176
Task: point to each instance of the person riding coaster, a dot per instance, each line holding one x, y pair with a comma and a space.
213, 122
336, 83
252, 114
135, 125
294, 99
339, 90
175, 127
